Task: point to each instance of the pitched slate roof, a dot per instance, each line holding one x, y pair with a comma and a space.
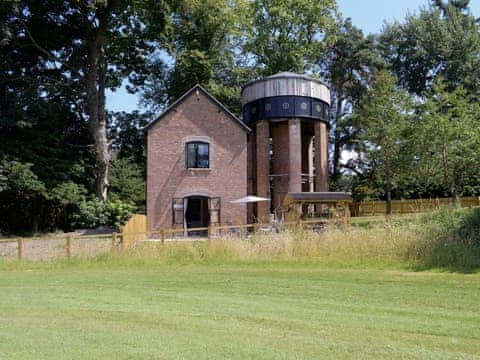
209, 96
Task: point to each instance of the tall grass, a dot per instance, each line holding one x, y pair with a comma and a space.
447, 238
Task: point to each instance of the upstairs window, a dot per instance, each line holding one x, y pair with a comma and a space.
198, 155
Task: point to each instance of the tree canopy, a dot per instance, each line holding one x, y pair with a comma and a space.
441, 40
290, 35
349, 64
383, 117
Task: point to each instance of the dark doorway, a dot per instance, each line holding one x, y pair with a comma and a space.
197, 214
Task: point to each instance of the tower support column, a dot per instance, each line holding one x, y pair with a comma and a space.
279, 164
295, 155
321, 156
311, 182
307, 162
263, 168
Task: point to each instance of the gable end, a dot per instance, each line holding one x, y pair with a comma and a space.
210, 97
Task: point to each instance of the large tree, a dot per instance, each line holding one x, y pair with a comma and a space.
383, 117
289, 35
128, 168
441, 40
203, 47
349, 64
76, 50
448, 139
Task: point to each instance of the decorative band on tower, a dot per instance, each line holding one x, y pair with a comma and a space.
285, 107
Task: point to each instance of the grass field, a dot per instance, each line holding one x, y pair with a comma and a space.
276, 309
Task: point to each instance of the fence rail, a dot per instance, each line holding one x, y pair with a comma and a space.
372, 208
65, 243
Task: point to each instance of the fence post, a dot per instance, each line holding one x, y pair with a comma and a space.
209, 232
300, 225
347, 217
68, 245
114, 242
19, 248
162, 236
122, 241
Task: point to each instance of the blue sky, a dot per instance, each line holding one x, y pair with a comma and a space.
369, 15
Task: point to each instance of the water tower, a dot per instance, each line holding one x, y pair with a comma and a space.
288, 148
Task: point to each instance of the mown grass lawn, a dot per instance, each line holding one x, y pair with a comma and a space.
236, 310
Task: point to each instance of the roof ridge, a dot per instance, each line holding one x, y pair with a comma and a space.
209, 96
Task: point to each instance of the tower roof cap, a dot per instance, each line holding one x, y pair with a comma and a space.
285, 75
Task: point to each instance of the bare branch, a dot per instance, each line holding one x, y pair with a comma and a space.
48, 54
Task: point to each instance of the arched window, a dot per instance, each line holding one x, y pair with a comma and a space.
197, 155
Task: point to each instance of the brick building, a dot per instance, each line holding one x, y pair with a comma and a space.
201, 157
196, 164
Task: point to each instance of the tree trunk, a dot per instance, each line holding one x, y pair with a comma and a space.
388, 192
389, 202
337, 140
97, 120
336, 156
455, 197
450, 184
101, 141
35, 215
102, 158
95, 79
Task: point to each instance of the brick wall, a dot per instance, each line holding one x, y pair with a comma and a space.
196, 118
280, 163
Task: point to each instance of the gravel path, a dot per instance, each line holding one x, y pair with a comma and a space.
54, 247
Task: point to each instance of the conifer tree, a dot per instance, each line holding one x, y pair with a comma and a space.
384, 119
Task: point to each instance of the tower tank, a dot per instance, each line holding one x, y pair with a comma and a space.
288, 114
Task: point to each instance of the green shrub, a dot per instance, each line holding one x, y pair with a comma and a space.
90, 214
450, 238
127, 183
94, 213
118, 212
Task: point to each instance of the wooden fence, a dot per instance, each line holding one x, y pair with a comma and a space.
63, 244
123, 240
134, 230
373, 208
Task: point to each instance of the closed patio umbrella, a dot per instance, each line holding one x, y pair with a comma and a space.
249, 199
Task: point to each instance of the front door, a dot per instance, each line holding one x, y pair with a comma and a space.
197, 212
